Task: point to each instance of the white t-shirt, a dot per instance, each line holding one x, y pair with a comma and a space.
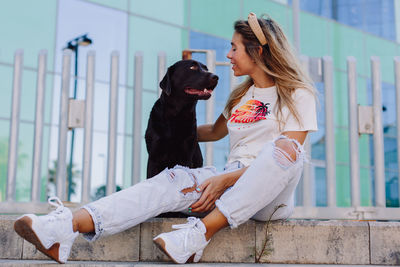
253, 121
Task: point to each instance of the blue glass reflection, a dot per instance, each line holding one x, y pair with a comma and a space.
373, 16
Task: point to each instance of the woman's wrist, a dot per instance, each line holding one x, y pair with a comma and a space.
230, 178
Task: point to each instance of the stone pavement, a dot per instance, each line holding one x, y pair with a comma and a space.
289, 242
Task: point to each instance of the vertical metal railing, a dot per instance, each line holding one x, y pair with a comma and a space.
330, 155
353, 131
378, 211
14, 126
209, 151
397, 88
162, 69
38, 135
306, 189
112, 125
88, 134
379, 161
137, 118
61, 171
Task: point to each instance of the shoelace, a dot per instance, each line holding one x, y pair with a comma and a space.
191, 224
56, 202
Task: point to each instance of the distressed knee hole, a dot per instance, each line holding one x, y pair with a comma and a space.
189, 189
192, 188
286, 152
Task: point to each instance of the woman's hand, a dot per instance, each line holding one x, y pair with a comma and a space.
212, 189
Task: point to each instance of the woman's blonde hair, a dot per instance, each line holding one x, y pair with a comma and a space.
277, 60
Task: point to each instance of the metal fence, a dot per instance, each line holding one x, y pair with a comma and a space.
78, 113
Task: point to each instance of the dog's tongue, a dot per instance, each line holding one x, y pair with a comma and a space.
198, 92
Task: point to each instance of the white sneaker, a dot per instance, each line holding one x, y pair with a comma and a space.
186, 244
51, 234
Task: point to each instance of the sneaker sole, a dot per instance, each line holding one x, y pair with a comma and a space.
23, 227
161, 245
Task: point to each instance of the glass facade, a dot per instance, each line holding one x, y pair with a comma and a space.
338, 28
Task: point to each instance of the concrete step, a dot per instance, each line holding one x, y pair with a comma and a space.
44, 263
289, 242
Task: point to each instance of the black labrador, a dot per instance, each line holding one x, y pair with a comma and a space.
171, 134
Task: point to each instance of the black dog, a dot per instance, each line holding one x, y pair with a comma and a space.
171, 134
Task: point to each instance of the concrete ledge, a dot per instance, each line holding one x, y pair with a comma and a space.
385, 243
293, 241
10, 242
315, 242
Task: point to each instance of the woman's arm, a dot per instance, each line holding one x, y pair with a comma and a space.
213, 188
212, 132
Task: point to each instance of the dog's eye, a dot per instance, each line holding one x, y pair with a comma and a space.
194, 67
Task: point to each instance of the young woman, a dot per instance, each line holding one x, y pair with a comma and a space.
268, 117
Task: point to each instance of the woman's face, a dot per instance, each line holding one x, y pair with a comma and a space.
242, 64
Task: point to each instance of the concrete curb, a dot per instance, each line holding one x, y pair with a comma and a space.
289, 242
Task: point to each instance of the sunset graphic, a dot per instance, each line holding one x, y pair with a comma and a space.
252, 111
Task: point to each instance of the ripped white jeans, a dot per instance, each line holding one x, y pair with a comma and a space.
269, 181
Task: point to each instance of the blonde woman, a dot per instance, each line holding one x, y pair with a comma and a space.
267, 117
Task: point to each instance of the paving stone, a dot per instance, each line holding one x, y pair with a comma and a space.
149, 230
120, 247
385, 243
10, 242
229, 245
232, 245
315, 242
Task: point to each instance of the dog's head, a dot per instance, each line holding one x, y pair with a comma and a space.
189, 79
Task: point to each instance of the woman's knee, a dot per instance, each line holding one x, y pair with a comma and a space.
286, 151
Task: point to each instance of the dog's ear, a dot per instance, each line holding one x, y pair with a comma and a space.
165, 84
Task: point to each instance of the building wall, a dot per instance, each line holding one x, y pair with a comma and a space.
130, 26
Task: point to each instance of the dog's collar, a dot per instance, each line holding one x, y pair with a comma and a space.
255, 27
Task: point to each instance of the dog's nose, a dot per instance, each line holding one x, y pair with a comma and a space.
214, 77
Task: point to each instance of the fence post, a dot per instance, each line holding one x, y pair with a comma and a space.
353, 131
14, 126
137, 118
88, 134
210, 103
380, 197
38, 135
112, 124
397, 85
330, 153
307, 185
61, 172
162, 69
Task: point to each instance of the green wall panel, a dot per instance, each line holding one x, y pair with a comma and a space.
342, 145
165, 38
278, 12
341, 99
314, 35
127, 181
348, 42
386, 51
28, 96
25, 154
172, 11
149, 99
28, 25
365, 185
343, 195
215, 17
118, 4
128, 111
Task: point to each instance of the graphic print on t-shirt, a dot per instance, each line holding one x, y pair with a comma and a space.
252, 111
